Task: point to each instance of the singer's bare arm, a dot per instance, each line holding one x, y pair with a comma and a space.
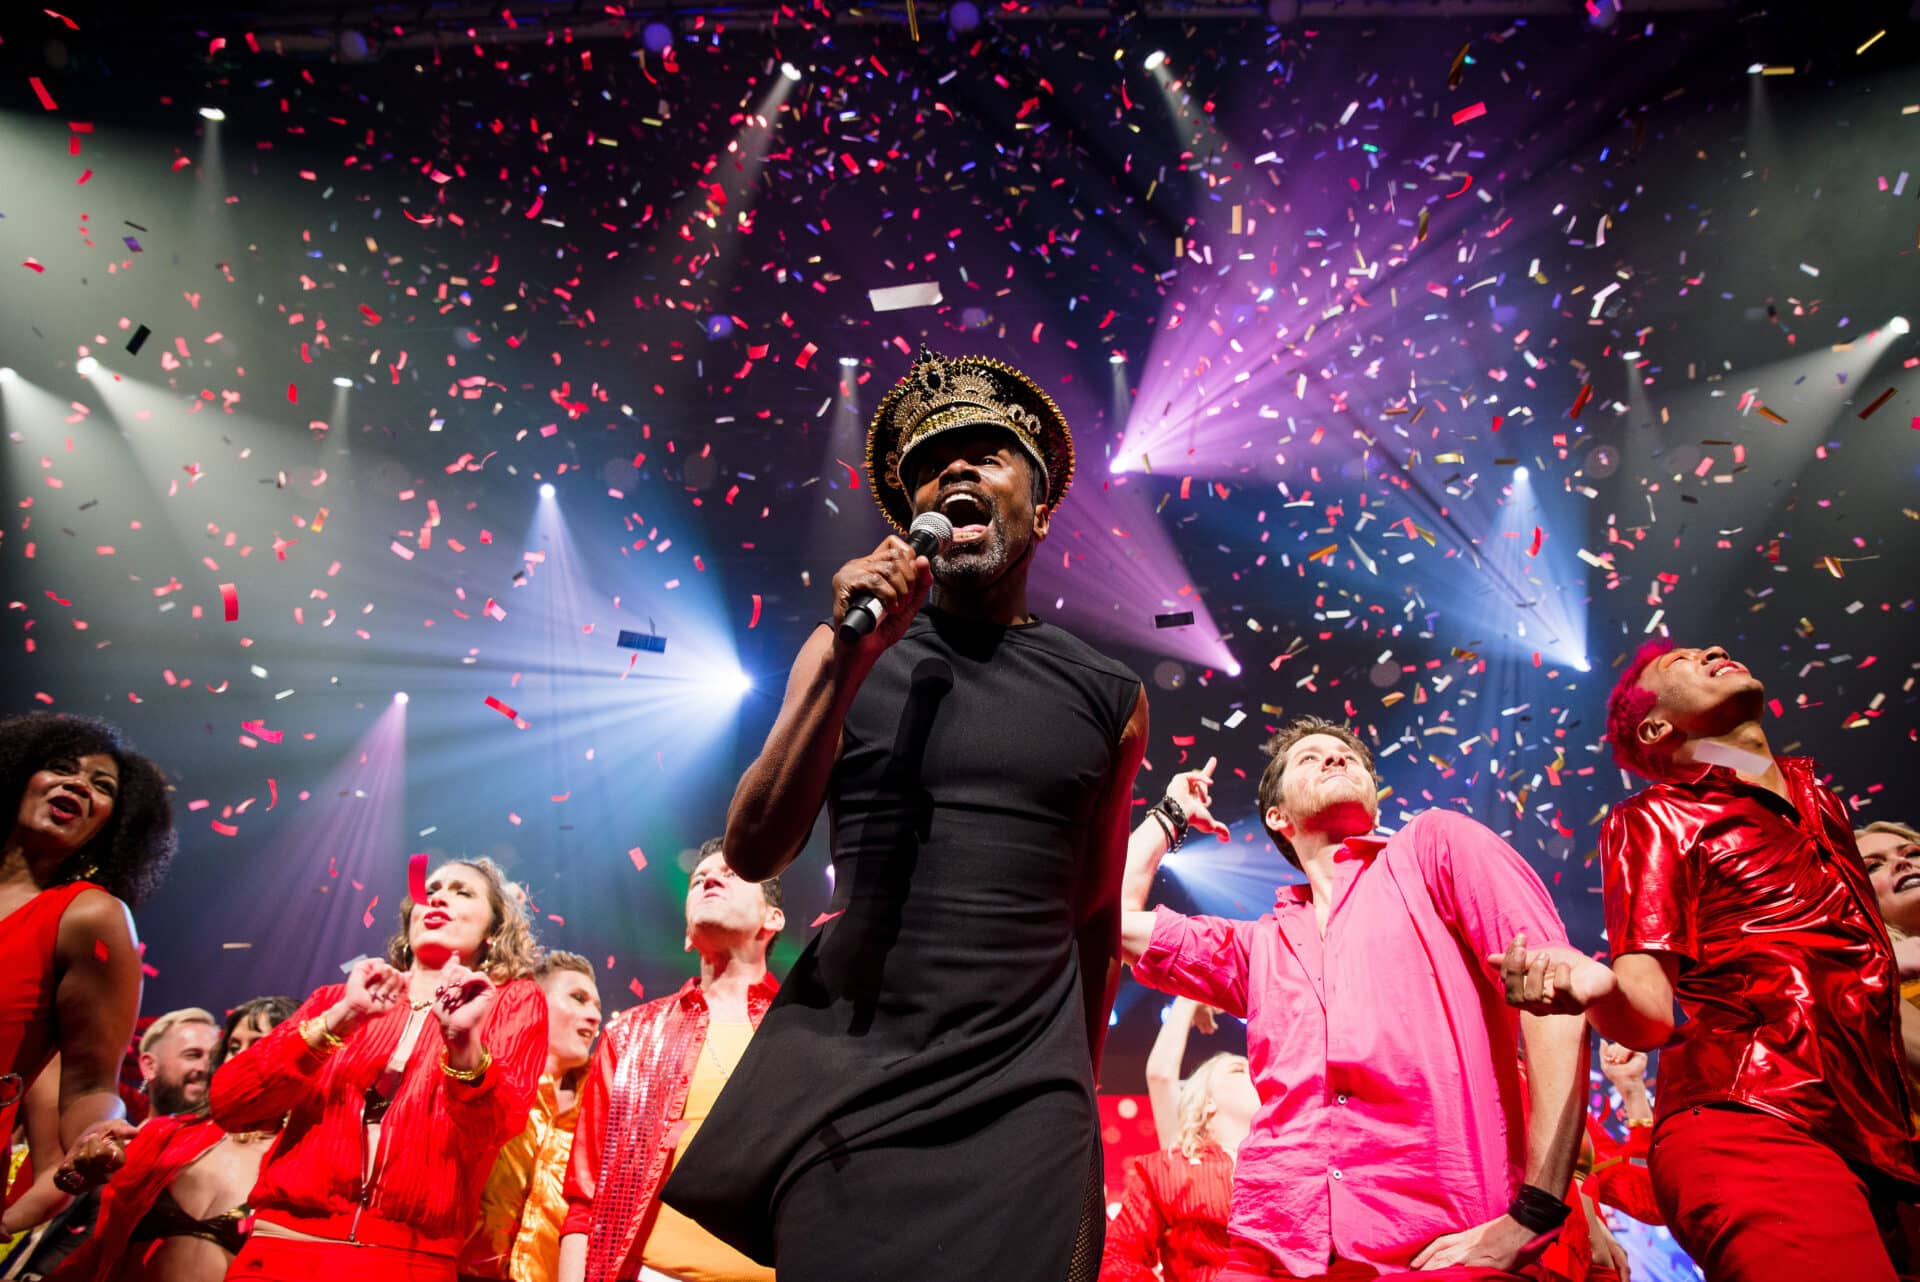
1098, 934
779, 796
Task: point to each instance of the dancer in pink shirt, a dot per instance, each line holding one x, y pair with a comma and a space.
1393, 1131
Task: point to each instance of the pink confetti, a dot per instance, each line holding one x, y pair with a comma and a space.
639, 859
501, 708
754, 622
230, 602
367, 919
1474, 112
225, 830
417, 877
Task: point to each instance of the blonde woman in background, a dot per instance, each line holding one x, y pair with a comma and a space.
1891, 852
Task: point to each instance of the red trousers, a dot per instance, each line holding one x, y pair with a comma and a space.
1753, 1198
1248, 1263
276, 1259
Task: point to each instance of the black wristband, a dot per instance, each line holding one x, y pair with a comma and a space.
1177, 816
1538, 1210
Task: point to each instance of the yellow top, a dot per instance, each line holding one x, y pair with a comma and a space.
524, 1201
677, 1245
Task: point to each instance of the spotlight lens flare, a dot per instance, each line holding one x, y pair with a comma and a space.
1582, 665
400, 697
6, 374
86, 366
1118, 358
212, 113
546, 489
849, 362
1898, 325
790, 71
1156, 60
342, 381
1520, 473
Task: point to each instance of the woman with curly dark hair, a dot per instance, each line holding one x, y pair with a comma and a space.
92, 833
398, 1088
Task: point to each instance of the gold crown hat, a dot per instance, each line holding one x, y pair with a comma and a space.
942, 393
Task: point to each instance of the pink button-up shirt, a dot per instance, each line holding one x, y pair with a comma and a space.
1390, 1100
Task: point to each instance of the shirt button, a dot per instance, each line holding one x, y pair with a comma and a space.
1340, 1099
1336, 1173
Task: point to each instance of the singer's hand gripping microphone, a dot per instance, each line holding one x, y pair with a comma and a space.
864, 610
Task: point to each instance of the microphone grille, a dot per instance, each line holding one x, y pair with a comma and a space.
932, 523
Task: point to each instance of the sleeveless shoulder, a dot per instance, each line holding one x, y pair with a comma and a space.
1065, 645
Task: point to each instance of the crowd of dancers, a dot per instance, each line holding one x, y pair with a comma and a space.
915, 1100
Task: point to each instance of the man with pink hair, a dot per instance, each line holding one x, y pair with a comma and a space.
1732, 883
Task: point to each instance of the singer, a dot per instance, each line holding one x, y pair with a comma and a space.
919, 1100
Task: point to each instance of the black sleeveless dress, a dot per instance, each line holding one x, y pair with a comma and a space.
918, 1104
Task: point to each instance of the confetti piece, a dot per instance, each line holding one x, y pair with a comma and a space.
366, 918
643, 641
139, 340
754, 622
501, 708
1474, 112
417, 877
639, 859
230, 602
894, 298
1458, 71
1770, 415
1878, 401
40, 92
1182, 619
101, 953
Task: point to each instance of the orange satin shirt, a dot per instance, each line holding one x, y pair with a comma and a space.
525, 1198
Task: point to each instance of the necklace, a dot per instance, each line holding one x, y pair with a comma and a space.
714, 1055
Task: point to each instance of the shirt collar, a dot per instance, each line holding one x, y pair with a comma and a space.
1362, 849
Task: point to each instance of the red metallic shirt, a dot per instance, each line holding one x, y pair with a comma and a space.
1786, 974
1172, 1223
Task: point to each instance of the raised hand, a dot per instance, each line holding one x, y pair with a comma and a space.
462, 1002
1193, 791
373, 988
1625, 1068
1551, 980
898, 579
95, 1156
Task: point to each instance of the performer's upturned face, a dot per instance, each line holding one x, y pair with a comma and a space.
68, 801
1699, 693
721, 904
1326, 786
456, 918
1893, 865
983, 482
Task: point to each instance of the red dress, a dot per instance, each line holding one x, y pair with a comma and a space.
27, 938
164, 1147
437, 1140
1173, 1218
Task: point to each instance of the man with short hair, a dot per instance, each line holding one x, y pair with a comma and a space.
524, 1202
649, 1087
1732, 882
1391, 1133
176, 1060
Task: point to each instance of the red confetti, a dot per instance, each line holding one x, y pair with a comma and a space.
373, 317
501, 708
40, 91
1474, 112
1538, 537
754, 622
367, 919
293, 394
225, 830
417, 877
100, 951
230, 601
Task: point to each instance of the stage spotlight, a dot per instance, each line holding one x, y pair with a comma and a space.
1583, 665
1116, 465
213, 113
1898, 325
86, 366
849, 362
1118, 358
1233, 669
1156, 60
341, 380
546, 489
790, 71
400, 697
1630, 356
6, 374
740, 685
1519, 473
1754, 69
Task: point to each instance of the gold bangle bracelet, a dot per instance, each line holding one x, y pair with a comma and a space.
318, 1037
473, 1074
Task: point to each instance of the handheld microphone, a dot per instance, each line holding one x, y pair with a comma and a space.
864, 611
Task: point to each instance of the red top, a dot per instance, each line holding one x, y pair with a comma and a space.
437, 1141
27, 938
164, 1147
1786, 973
647, 1058
1173, 1214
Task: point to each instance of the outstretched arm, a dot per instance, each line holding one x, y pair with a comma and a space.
781, 793
1630, 1003
1098, 912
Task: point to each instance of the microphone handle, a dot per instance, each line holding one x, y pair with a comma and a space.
865, 611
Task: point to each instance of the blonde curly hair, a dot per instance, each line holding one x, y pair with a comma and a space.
509, 951
1196, 1093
